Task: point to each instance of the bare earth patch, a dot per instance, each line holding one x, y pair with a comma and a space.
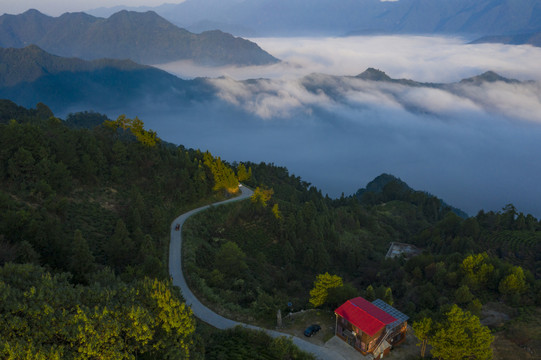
296, 323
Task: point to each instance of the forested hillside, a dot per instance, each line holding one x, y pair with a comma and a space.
86, 206
291, 234
31, 75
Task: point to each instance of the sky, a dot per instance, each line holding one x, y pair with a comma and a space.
58, 7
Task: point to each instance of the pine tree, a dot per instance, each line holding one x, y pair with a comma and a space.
388, 297
81, 261
370, 294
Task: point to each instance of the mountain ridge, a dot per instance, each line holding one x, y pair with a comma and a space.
301, 17
142, 37
533, 39
32, 75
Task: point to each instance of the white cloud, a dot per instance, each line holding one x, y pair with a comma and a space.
284, 98
422, 58
474, 146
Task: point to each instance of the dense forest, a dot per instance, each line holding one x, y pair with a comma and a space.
299, 233
285, 242
86, 206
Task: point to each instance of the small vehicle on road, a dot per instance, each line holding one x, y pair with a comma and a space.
177, 228
312, 330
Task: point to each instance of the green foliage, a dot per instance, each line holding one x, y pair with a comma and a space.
322, 284
477, 270
242, 343
230, 259
422, 330
57, 180
514, 283
388, 297
111, 319
461, 336
339, 295
348, 239
81, 261
370, 294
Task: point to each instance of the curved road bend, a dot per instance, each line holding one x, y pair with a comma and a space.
207, 315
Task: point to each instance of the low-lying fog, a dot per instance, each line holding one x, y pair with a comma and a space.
475, 146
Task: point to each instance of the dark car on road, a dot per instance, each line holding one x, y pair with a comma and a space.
312, 330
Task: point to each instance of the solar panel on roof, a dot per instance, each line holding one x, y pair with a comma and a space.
399, 316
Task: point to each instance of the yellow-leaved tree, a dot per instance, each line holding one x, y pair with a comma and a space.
422, 331
320, 292
136, 127
261, 196
461, 336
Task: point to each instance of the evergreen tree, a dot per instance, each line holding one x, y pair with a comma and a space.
388, 297
120, 249
370, 293
81, 261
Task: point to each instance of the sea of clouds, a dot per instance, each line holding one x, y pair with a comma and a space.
474, 145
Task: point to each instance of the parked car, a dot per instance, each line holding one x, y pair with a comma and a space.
312, 330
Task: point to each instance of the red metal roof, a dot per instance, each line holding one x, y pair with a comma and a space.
364, 315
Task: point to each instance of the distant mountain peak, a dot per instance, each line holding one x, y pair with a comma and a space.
488, 76
32, 12
374, 75
137, 14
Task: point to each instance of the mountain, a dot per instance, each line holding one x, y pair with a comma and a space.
489, 76
31, 75
31, 63
305, 17
372, 74
533, 39
386, 188
142, 37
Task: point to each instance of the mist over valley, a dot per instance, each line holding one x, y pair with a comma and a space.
472, 143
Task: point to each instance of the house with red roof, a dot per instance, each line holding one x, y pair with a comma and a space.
370, 327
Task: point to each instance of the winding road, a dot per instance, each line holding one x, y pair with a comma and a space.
209, 316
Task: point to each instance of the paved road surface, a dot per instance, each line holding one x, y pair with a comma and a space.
207, 315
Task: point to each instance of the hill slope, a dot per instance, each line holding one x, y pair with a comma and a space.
142, 37
31, 75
